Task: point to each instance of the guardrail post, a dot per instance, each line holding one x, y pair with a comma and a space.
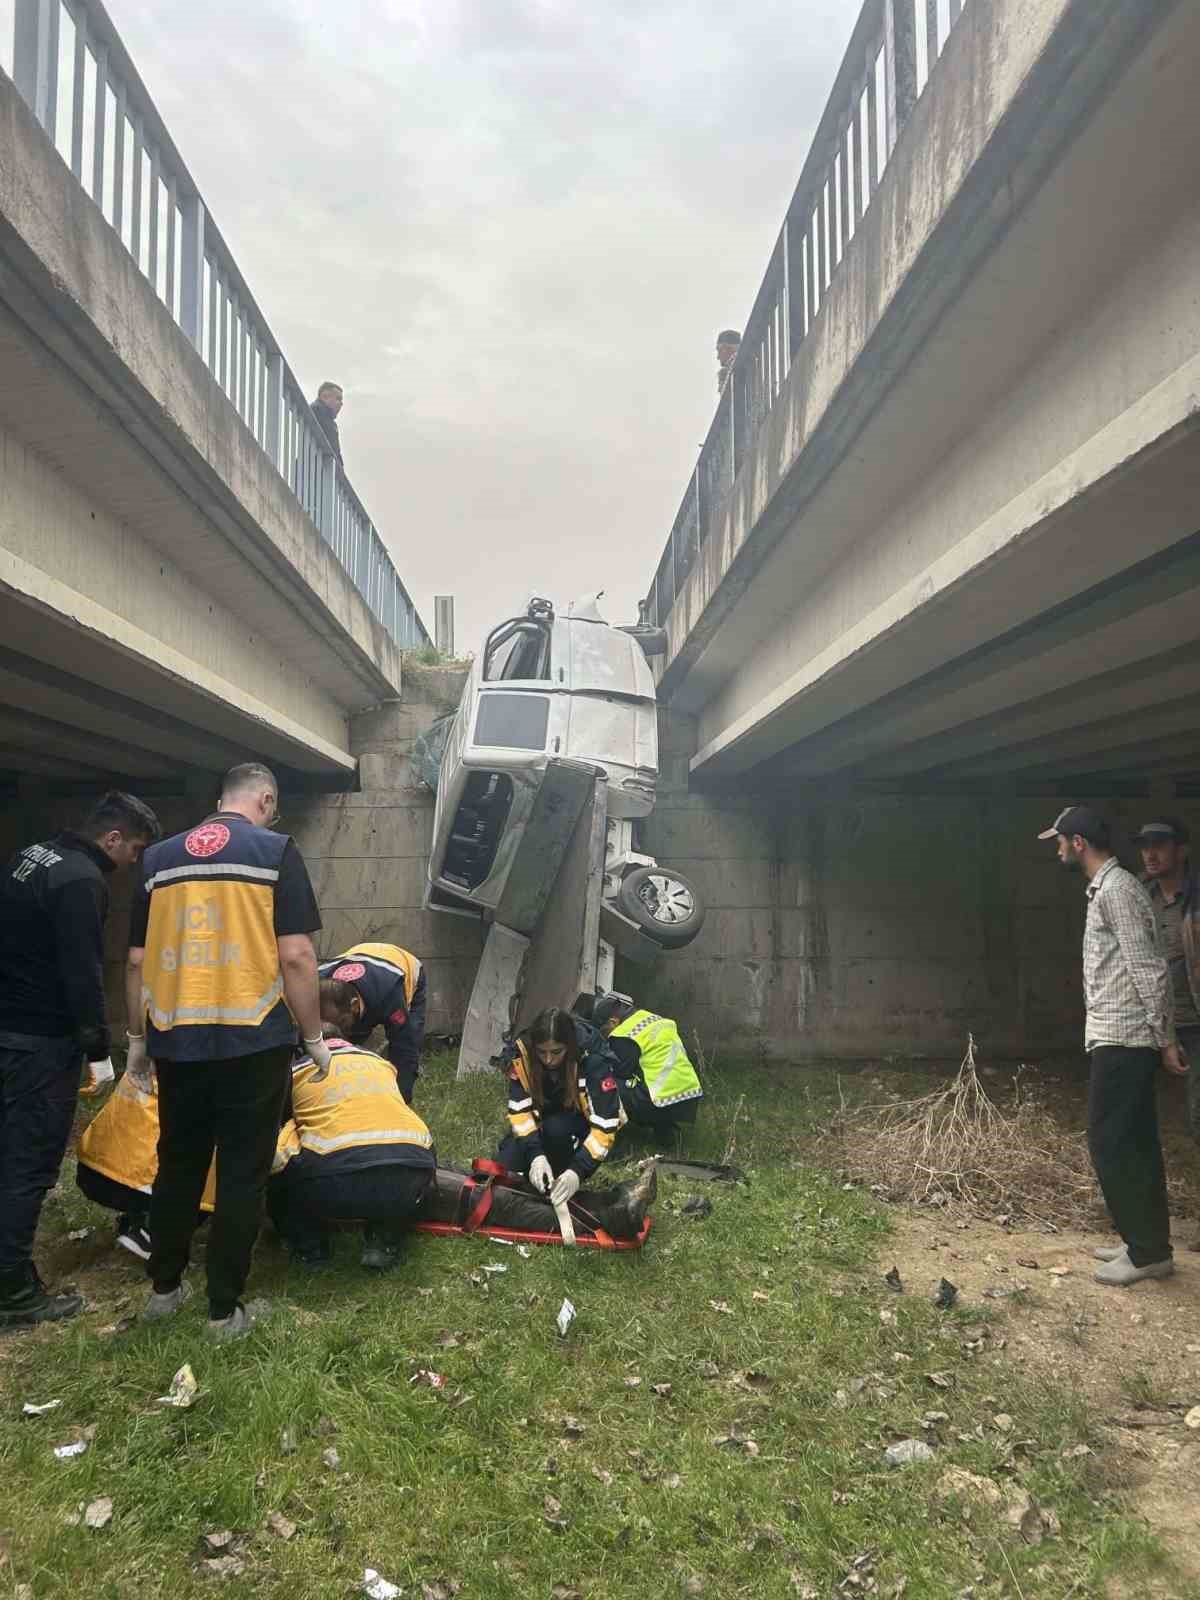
35, 60
325, 503
273, 438
191, 277
899, 65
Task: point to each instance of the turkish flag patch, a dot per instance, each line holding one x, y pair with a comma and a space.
609, 1085
399, 1016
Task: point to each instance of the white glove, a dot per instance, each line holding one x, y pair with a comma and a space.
99, 1073
541, 1174
566, 1188
138, 1069
320, 1056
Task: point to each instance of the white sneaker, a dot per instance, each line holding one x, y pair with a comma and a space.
1122, 1271
166, 1305
239, 1321
1110, 1252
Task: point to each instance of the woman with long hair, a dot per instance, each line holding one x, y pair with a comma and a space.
564, 1103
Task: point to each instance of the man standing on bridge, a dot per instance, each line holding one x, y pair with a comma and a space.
1129, 1035
53, 904
221, 972
325, 408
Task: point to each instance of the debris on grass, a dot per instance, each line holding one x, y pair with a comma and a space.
280, 1526
698, 1206
222, 1567
906, 1452
331, 1458
564, 1319
945, 1294
491, 1267
377, 1587
219, 1540
893, 1280
29, 1409
736, 1440
552, 1514
65, 1452
76, 1234
434, 1380
632, 1383
662, 1390
1192, 1420
524, 1252
183, 1390
287, 1442
99, 1513
572, 1428
606, 1478
723, 1307
939, 1380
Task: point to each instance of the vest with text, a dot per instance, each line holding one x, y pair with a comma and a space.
670, 1076
356, 1116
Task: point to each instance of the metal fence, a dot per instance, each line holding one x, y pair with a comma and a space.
894, 46
70, 66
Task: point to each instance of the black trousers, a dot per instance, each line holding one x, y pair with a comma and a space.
385, 1197
39, 1088
232, 1107
562, 1134
641, 1110
131, 1205
1126, 1151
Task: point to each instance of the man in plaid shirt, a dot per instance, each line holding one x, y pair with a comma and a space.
1130, 1034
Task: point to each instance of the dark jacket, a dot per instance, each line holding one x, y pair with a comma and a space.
329, 427
53, 904
1189, 927
592, 1091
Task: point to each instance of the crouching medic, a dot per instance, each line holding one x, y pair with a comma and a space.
564, 1108
659, 1086
379, 986
351, 1149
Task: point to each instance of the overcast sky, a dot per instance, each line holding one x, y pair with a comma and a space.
512, 230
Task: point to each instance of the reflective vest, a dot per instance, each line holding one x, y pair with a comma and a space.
670, 1076
355, 1116
211, 982
594, 1094
121, 1141
384, 975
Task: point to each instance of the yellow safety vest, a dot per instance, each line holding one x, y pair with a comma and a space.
355, 1106
121, 1141
391, 955
670, 1076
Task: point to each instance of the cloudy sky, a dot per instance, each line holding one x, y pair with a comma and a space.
511, 229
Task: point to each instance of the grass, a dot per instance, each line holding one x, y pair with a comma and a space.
468, 1485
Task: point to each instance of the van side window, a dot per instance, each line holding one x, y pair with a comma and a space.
517, 649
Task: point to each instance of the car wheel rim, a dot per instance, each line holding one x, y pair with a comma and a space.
666, 899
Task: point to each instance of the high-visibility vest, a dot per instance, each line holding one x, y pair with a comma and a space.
121, 1141
212, 987
356, 1116
670, 1076
594, 1093
375, 970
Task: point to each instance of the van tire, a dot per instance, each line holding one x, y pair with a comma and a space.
664, 904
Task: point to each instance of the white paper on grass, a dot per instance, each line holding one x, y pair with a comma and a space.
31, 1410
378, 1588
566, 1316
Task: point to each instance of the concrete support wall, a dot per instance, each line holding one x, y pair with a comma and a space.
870, 925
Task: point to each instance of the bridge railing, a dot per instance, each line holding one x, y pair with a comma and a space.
894, 47
70, 66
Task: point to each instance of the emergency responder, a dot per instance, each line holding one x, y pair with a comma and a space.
117, 1158
378, 985
659, 1086
221, 972
53, 903
564, 1108
353, 1149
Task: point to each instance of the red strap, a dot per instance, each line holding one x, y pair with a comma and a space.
483, 1168
482, 1206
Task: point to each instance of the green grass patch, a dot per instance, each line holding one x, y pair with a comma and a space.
484, 1483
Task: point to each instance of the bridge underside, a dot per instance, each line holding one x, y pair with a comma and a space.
995, 585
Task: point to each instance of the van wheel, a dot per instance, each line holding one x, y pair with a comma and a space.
664, 904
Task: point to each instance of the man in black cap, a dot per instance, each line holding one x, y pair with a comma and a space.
1129, 1035
1174, 888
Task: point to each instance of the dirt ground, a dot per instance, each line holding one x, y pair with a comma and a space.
1132, 1352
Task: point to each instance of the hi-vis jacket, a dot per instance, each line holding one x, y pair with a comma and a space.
211, 981
670, 1076
391, 983
355, 1117
594, 1094
121, 1141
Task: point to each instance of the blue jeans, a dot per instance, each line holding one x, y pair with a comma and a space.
39, 1088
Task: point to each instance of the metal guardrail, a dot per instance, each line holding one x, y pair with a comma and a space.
73, 71
894, 46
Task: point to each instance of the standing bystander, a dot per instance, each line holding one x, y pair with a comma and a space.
1128, 1036
1174, 887
221, 971
325, 408
53, 904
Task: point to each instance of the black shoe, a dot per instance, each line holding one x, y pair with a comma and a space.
24, 1301
381, 1250
632, 1201
312, 1253
133, 1238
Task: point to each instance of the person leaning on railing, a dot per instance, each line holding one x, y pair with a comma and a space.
325, 408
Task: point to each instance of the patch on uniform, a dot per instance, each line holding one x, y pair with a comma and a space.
349, 972
399, 1017
207, 839
609, 1085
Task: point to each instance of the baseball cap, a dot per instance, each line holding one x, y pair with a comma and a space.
1078, 819
1166, 828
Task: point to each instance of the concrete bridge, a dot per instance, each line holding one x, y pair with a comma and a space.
186, 577
939, 555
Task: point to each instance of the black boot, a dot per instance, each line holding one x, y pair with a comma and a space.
24, 1300
629, 1202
